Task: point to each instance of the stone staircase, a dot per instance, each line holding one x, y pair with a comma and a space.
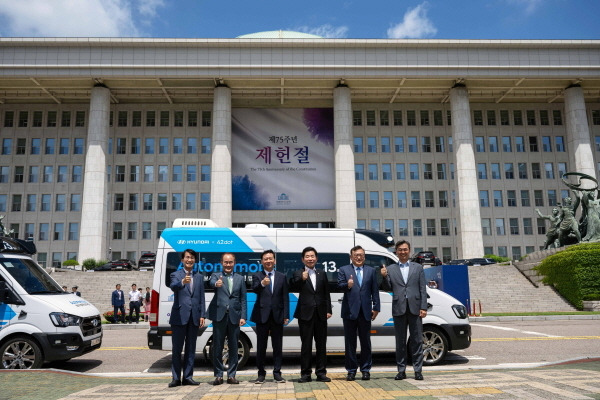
97, 287
503, 288
527, 265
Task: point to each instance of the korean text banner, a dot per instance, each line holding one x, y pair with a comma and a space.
282, 159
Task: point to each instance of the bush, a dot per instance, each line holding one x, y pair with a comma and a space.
70, 263
109, 316
496, 258
574, 272
88, 263
592, 297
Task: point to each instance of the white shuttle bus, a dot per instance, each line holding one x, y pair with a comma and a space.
446, 326
40, 322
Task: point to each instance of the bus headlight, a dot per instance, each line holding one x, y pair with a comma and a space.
460, 311
63, 320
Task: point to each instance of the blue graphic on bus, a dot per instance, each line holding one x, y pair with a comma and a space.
6, 314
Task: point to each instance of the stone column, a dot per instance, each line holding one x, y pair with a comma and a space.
470, 238
345, 184
92, 233
578, 133
220, 181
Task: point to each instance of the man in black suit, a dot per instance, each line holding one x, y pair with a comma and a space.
118, 302
360, 306
187, 317
409, 306
75, 291
271, 312
313, 311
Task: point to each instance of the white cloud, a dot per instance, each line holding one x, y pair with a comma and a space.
326, 31
414, 25
529, 5
74, 18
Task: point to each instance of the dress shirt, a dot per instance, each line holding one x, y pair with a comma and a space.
312, 275
404, 271
134, 295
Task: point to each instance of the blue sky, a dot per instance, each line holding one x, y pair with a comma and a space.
434, 19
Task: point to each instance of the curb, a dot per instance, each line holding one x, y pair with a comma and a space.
534, 318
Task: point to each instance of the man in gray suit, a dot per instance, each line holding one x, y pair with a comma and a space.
227, 311
187, 316
409, 306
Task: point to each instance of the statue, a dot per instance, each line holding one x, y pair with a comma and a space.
552, 234
592, 206
568, 227
3, 230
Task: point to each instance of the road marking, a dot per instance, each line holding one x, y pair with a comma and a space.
124, 348
504, 328
537, 338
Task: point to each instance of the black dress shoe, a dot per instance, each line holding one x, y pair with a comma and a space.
323, 378
366, 376
233, 381
305, 378
278, 378
260, 379
218, 381
174, 382
418, 376
400, 376
190, 382
351, 376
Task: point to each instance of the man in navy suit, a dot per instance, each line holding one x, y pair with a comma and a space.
360, 306
409, 306
313, 311
187, 317
227, 311
118, 302
271, 312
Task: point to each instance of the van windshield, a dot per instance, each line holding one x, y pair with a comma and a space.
30, 276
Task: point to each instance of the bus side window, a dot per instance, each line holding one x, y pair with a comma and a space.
377, 261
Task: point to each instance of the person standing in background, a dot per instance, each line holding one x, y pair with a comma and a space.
118, 303
134, 304
147, 305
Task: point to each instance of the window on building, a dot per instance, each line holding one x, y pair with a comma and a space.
533, 144
373, 176
400, 172
417, 228
205, 173
133, 202
517, 117
357, 117
75, 204
401, 199
479, 144
411, 118
481, 171
397, 117
384, 117
206, 118
150, 118
147, 198
386, 172
415, 199
205, 201
439, 144
403, 227
61, 202
426, 144
500, 227
122, 119
161, 201
527, 226
520, 144
443, 198
544, 119
424, 117
414, 171
412, 144
163, 173
525, 202
427, 171
117, 231
371, 145
511, 198
509, 171
358, 145
560, 144
360, 199
495, 170
493, 143
531, 117
205, 144
6, 146
535, 171
119, 173
438, 119
429, 200
374, 199
549, 169
552, 199
149, 146
538, 196
388, 200
506, 146
176, 201
65, 119
190, 201
504, 118
477, 117
177, 173
498, 202
441, 171
430, 227
31, 202
165, 118
370, 118
178, 145
163, 146
484, 198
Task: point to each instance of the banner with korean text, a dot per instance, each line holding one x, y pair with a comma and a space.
282, 159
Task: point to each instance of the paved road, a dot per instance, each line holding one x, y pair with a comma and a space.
495, 344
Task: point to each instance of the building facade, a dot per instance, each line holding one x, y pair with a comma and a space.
449, 144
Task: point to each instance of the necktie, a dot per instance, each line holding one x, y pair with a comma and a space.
230, 282
359, 276
271, 282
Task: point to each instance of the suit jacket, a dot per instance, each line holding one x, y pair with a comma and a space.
187, 305
277, 302
225, 303
365, 296
115, 298
412, 293
309, 298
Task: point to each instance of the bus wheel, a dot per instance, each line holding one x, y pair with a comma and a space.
243, 352
20, 352
435, 345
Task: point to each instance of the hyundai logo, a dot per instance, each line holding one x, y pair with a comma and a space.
95, 322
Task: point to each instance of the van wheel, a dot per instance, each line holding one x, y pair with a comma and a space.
20, 353
243, 352
435, 345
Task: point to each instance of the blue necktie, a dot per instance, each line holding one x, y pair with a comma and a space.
271, 282
359, 276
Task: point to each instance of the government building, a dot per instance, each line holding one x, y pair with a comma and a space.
450, 144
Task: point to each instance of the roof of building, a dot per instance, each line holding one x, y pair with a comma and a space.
280, 34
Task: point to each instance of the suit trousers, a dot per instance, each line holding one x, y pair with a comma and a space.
415, 328
116, 313
221, 329
262, 336
134, 305
313, 328
362, 326
187, 334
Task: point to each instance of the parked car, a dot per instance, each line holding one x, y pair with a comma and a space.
122, 264
460, 262
426, 258
147, 260
482, 261
104, 267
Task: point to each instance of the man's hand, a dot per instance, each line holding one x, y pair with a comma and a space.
374, 314
350, 282
266, 281
202, 321
242, 322
328, 315
304, 275
219, 282
422, 313
286, 321
383, 271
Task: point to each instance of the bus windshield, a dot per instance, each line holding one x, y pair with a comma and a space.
30, 276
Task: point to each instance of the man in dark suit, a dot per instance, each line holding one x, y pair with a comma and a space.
227, 311
360, 306
118, 302
271, 312
75, 291
187, 317
409, 306
313, 311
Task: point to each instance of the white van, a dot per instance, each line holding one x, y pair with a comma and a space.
39, 322
446, 326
